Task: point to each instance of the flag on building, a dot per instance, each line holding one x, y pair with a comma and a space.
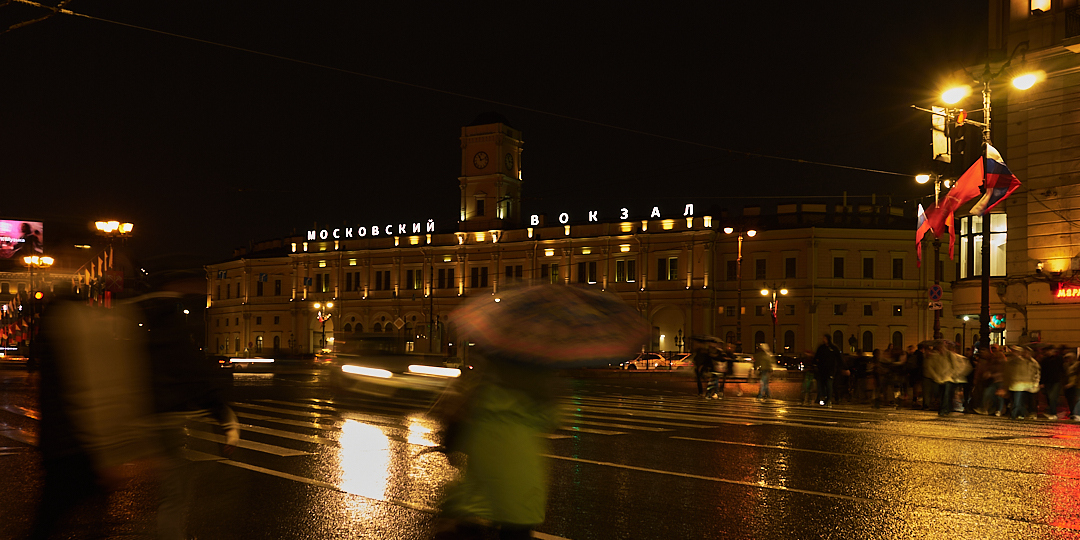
1000, 182
920, 231
264, 277
965, 189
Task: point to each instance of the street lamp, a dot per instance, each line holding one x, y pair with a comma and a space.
738, 285
953, 96
113, 228
774, 304
922, 179
322, 317
34, 261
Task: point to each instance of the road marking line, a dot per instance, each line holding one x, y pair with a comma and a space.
249, 445
713, 479
297, 423
290, 412
594, 431
623, 426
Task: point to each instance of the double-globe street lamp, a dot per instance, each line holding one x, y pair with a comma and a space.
322, 317
774, 304
954, 95
922, 179
738, 284
32, 262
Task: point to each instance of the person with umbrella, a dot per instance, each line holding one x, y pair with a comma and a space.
520, 338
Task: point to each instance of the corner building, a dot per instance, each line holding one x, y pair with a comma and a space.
850, 270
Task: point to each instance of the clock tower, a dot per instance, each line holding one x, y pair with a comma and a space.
490, 178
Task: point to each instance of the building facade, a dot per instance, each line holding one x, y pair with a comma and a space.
848, 271
1034, 282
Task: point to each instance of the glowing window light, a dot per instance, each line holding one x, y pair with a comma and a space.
352, 262
624, 248
480, 236
447, 258
707, 221
586, 251
689, 223
414, 240
667, 224
548, 252
626, 227
322, 264
566, 229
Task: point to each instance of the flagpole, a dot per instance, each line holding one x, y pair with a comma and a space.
937, 258
984, 297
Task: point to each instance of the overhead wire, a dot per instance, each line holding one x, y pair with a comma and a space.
60, 10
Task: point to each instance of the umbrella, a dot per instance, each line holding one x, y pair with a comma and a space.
553, 325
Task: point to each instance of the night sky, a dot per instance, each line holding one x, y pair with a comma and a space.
207, 147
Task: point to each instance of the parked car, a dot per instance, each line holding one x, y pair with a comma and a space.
659, 361
375, 365
790, 363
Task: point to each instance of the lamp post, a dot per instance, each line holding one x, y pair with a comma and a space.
955, 95
34, 261
922, 179
738, 284
322, 317
774, 304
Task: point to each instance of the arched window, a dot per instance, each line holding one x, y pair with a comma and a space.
898, 340
867, 341
347, 327
838, 339
258, 344
377, 327
759, 338
729, 337
789, 341
277, 344
359, 328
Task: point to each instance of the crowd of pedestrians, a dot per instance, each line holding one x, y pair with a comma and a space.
1030, 381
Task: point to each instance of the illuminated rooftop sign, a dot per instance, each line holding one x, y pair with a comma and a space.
1066, 292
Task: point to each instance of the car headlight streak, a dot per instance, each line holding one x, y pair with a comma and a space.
434, 370
370, 372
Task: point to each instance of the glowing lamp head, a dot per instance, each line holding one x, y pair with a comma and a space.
39, 295
922, 178
728, 230
783, 291
955, 94
1026, 80
751, 233
764, 292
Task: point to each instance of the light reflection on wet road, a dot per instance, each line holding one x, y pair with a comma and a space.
634, 461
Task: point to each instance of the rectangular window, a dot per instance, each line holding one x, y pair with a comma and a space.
326, 282
759, 269
868, 310
228, 290
442, 279
631, 270
277, 319
218, 295
620, 271
554, 272
509, 272
258, 288
277, 287
732, 270
592, 272
790, 309
513, 273
868, 268
258, 321
673, 268
667, 268
839, 309
378, 280
838, 267
581, 272
410, 279
474, 277
519, 272
898, 268
729, 311
348, 282
484, 276
661, 269
898, 311
789, 268
319, 283
480, 206
759, 310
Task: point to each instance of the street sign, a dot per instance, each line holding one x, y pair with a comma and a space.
935, 305
935, 293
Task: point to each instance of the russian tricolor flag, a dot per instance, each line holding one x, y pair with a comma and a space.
1000, 182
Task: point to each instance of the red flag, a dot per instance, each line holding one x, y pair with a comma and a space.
966, 188
1000, 182
952, 235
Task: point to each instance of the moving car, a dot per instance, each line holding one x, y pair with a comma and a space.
377, 365
659, 361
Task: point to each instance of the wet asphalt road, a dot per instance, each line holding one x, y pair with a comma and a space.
638, 457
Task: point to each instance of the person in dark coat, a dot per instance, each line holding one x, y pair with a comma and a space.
828, 361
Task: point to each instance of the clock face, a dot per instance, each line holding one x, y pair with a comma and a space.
480, 160
509, 162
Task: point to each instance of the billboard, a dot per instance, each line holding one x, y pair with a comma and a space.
20, 238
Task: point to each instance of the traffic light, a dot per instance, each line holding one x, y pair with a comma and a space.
39, 295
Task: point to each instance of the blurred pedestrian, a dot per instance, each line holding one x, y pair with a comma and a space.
1022, 374
992, 365
703, 364
828, 362
95, 404
1052, 379
764, 363
809, 366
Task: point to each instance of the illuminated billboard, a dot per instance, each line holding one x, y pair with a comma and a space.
20, 238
